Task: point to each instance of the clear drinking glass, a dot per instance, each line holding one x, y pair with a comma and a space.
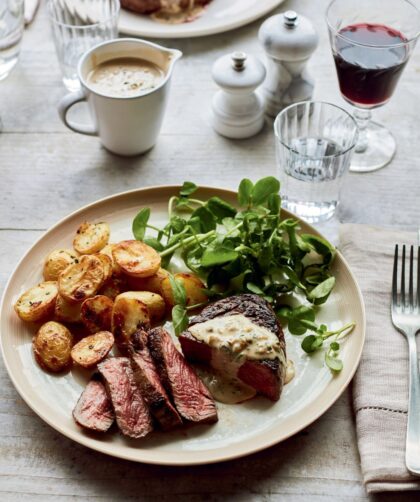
314, 143
371, 42
11, 31
77, 26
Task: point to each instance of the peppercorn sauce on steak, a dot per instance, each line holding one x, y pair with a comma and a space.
240, 337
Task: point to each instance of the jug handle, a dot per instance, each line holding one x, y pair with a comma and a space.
64, 106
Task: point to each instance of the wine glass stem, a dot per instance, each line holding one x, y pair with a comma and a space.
362, 118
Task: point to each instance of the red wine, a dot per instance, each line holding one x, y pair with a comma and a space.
368, 74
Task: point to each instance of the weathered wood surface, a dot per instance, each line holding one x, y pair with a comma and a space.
47, 171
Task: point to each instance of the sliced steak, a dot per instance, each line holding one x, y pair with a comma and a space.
191, 397
241, 337
148, 381
93, 410
131, 412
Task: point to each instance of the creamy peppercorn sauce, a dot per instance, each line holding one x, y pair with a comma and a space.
236, 338
125, 77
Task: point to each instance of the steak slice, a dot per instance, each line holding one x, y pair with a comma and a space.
93, 410
191, 397
148, 381
131, 412
265, 374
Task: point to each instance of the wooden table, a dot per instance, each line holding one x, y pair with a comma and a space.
48, 171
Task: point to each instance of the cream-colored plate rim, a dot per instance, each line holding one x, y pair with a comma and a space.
176, 31
265, 439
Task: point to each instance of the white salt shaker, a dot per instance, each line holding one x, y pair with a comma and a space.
237, 111
288, 40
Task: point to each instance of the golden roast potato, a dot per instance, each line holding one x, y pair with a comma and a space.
92, 349
37, 304
136, 258
57, 261
194, 289
52, 347
152, 283
96, 313
67, 312
154, 303
128, 315
81, 280
91, 237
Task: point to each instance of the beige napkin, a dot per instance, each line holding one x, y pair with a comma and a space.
380, 387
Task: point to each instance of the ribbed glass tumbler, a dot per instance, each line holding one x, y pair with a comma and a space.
77, 26
314, 143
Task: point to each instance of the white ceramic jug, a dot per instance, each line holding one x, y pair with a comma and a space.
125, 125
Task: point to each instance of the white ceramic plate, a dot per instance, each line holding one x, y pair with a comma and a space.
219, 16
243, 428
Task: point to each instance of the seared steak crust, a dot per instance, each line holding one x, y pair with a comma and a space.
191, 397
131, 412
265, 375
93, 410
148, 381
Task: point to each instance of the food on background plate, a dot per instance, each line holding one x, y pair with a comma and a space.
167, 11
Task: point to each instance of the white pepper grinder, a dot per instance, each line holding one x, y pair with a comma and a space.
237, 110
289, 40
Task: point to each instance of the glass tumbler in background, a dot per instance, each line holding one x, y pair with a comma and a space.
11, 31
314, 143
77, 26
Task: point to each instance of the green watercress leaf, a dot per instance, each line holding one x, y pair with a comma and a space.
218, 256
263, 188
140, 223
220, 208
333, 362
188, 188
321, 292
179, 319
206, 217
244, 192
178, 291
274, 203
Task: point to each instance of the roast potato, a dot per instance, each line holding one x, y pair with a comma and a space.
154, 303
194, 289
52, 347
128, 315
136, 258
107, 250
107, 265
96, 313
152, 283
81, 280
92, 349
114, 287
57, 261
37, 304
91, 237
67, 312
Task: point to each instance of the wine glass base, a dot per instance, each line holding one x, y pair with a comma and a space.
379, 152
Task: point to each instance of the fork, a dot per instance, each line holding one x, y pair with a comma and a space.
405, 313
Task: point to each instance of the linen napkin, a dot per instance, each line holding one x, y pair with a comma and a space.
380, 386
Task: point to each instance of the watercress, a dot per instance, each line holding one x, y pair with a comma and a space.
250, 249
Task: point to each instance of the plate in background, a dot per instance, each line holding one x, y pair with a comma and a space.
219, 16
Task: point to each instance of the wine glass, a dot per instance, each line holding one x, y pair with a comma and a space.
11, 31
371, 41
